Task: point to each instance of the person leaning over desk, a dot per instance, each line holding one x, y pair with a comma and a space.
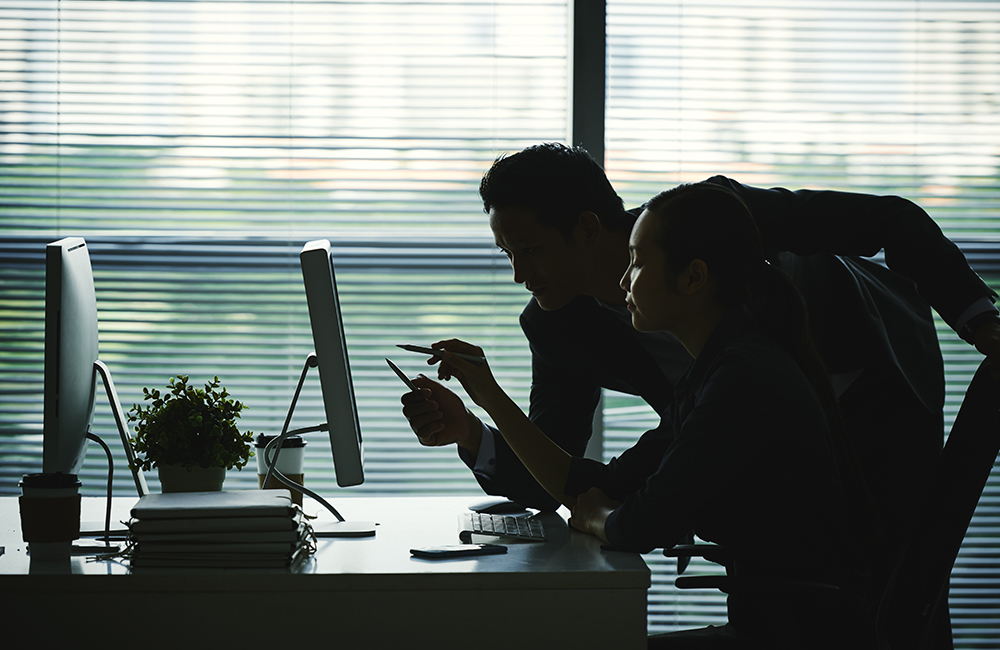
557, 217
744, 455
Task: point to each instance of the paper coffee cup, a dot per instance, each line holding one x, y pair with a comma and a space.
290, 460
50, 514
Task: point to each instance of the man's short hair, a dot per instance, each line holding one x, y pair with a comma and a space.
557, 183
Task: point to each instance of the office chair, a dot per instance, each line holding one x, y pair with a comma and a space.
920, 580
923, 568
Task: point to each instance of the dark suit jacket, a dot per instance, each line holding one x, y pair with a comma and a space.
863, 315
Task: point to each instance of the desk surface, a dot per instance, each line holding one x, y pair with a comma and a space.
373, 586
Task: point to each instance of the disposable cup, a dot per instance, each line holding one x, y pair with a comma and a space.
290, 460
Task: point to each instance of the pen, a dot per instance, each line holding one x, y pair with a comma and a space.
402, 375
437, 353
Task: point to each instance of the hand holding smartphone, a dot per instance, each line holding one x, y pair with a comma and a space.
402, 375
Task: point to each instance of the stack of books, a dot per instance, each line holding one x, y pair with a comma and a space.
235, 529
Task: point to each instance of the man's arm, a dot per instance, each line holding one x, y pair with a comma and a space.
844, 223
983, 331
562, 404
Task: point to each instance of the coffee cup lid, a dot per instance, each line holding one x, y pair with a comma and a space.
289, 443
49, 480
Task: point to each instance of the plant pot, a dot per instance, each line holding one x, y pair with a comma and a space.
175, 478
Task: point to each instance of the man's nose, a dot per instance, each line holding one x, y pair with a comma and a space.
521, 270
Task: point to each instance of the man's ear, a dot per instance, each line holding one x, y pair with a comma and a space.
589, 224
693, 278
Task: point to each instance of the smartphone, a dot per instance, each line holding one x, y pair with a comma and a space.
402, 375
457, 550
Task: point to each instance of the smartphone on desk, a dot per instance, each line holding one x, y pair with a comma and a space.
457, 550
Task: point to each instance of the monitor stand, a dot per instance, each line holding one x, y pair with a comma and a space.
326, 525
116, 410
327, 522
88, 547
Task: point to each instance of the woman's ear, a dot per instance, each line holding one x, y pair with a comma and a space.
693, 278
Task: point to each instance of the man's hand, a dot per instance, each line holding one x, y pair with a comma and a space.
987, 340
439, 417
591, 512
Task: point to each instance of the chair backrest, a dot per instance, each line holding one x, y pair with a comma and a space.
924, 567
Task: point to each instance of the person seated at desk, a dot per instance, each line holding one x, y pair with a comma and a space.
744, 456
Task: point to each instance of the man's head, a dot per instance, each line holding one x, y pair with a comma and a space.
557, 183
552, 210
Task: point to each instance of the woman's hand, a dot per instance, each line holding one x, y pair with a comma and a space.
591, 512
546, 461
477, 379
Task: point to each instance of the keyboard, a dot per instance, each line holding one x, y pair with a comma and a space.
477, 523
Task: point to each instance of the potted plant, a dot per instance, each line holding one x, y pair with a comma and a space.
189, 435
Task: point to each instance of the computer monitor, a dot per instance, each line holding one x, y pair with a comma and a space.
70, 353
334, 368
71, 362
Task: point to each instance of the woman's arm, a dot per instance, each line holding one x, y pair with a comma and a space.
548, 463
591, 513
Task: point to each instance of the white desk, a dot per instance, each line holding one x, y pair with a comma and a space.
363, 593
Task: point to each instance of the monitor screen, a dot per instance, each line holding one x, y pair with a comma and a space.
334, 368
70, 353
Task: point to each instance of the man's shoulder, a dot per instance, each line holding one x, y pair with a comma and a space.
569, 330
718, 179
575, 314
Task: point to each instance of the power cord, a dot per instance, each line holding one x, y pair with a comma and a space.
111, 465
272, 463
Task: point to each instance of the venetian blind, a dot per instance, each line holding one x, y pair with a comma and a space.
881, 96
197, 145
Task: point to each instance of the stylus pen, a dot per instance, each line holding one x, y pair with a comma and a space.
402, 375
437, 353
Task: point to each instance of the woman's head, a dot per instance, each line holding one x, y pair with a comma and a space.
702, 239
694, 247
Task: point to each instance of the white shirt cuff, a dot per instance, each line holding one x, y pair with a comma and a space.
486, 460
981, 306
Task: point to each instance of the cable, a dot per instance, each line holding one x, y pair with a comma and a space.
107, 512
275, 444
272, 463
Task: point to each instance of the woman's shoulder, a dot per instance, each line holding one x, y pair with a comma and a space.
755, 362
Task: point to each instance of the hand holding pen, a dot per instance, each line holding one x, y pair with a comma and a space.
437, 353
437, 415
475, 376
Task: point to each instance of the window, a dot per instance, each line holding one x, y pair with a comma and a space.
887, 97
198, 145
